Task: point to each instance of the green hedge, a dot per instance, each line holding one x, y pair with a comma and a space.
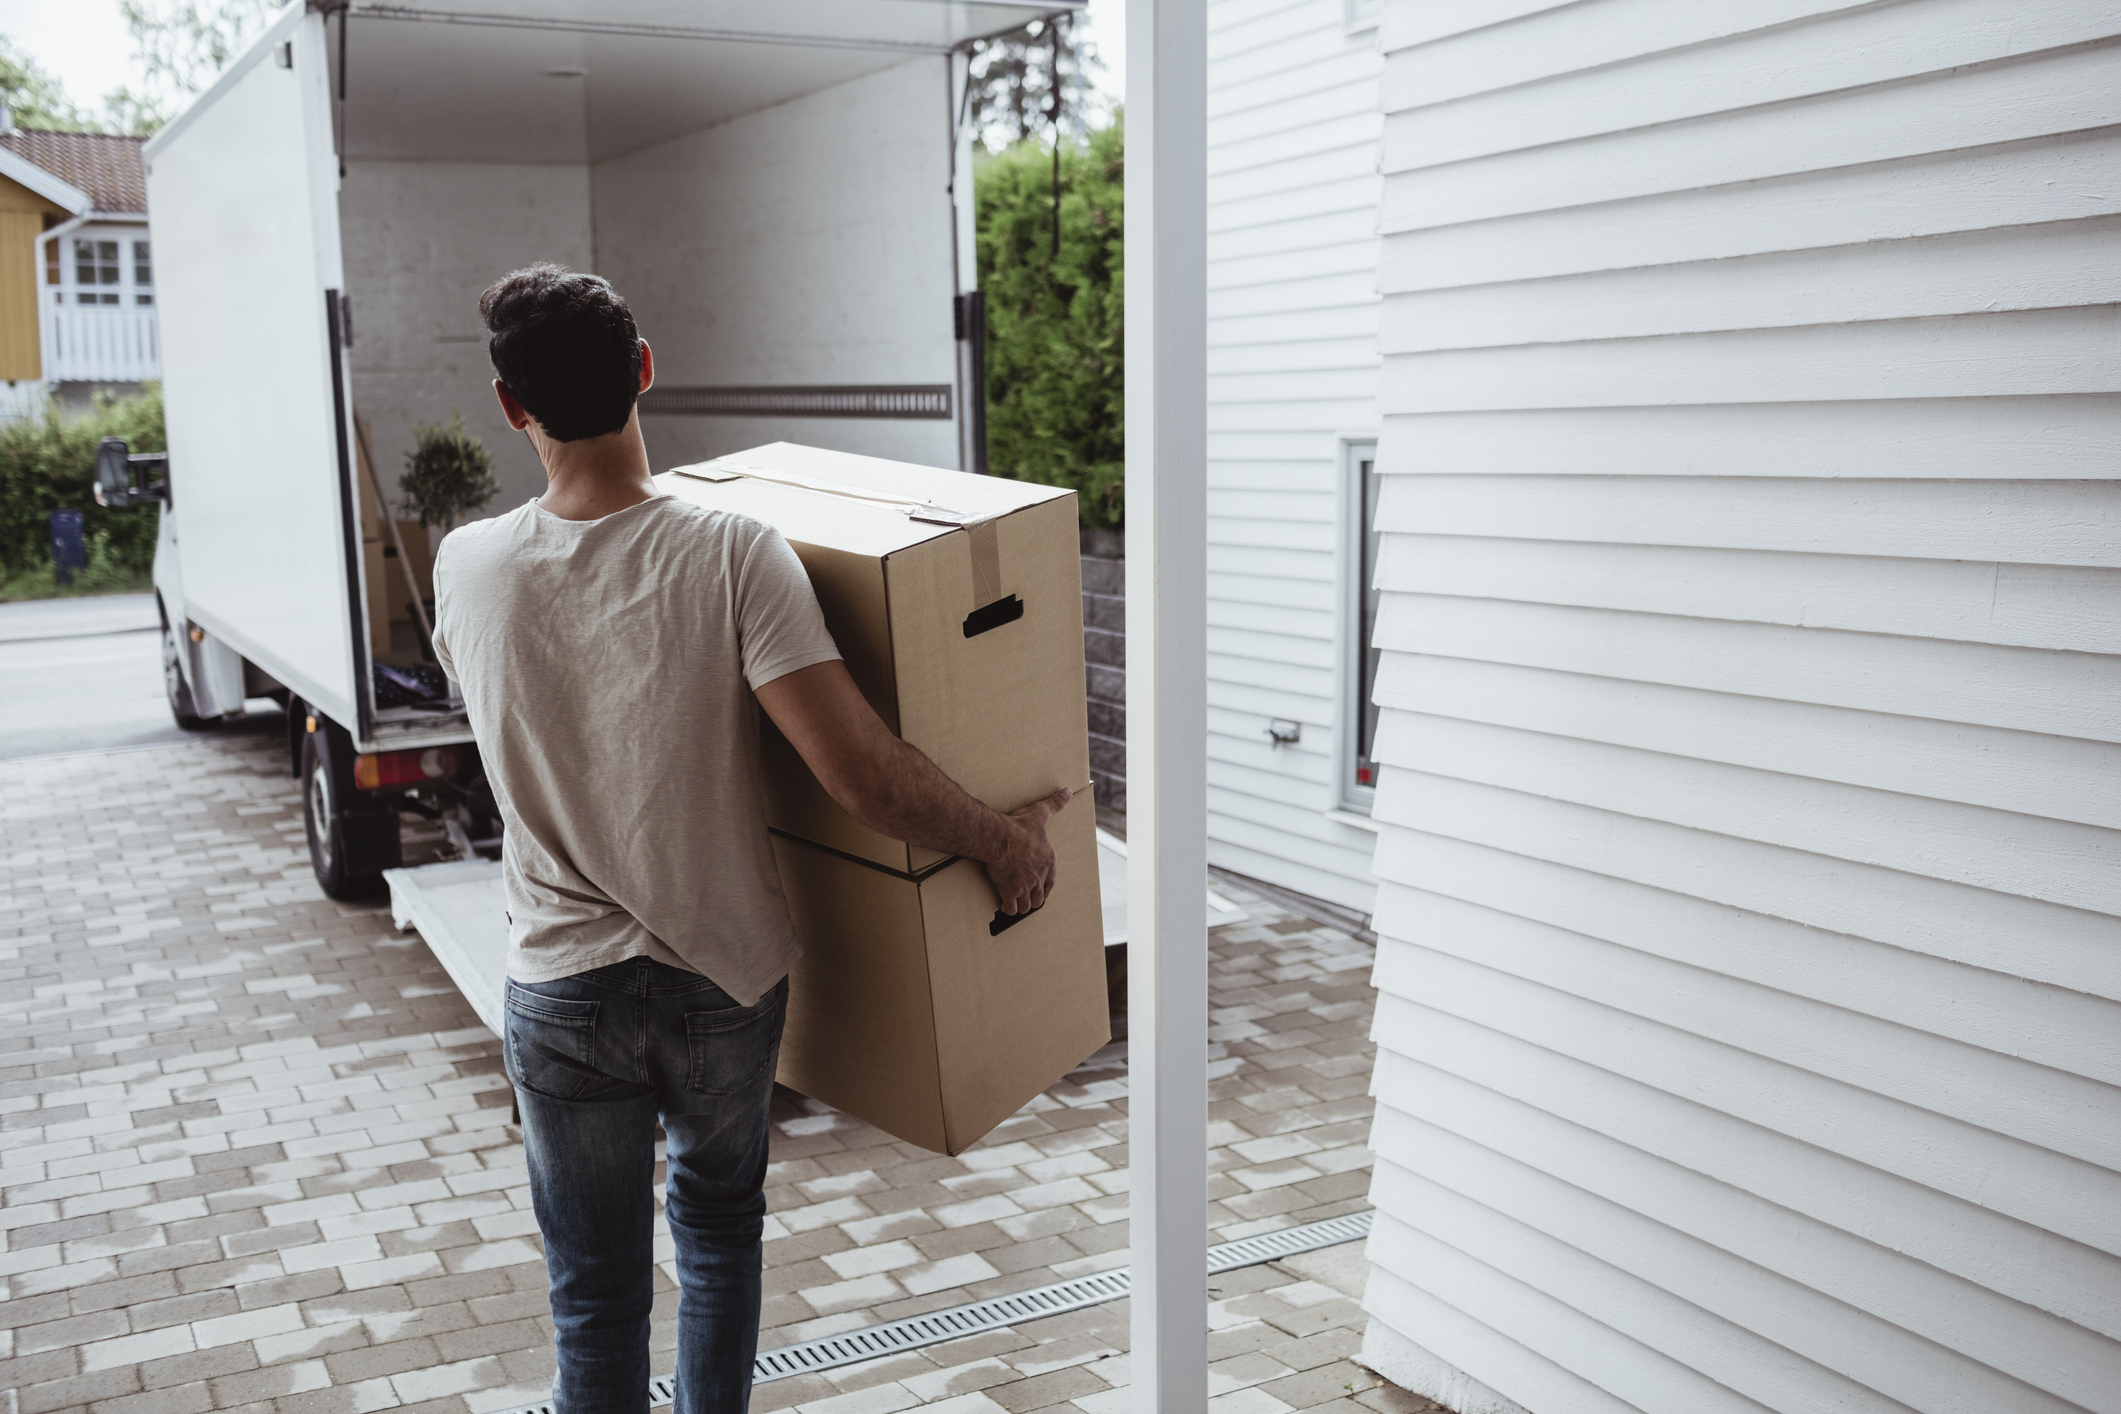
1056, 333
49, 462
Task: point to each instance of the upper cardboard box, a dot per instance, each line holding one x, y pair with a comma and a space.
956, 601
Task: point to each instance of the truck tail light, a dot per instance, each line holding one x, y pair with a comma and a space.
403, 768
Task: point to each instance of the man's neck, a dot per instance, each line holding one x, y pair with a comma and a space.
591, 478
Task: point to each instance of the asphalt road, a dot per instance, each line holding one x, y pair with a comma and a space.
86, 675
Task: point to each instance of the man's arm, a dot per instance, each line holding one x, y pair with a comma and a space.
892, 787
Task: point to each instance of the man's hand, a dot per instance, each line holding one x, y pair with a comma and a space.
1025, 874
891, 787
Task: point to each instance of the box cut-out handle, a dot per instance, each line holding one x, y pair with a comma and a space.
1003, 922
1001, 611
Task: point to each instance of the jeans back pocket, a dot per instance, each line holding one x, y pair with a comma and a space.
549, 1043
732, 1050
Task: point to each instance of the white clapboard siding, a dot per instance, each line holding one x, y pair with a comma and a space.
1859, 47
2044, 1024
2057, 523
2064, 263
1478, 60
2068, 1197
1960, 356
1518, 1118
2030, 606
1962, 923
2068, 694
2004, 1095
2058, 778
1293, 122
1944, 112
2063, 179
2004, 851
1749, 852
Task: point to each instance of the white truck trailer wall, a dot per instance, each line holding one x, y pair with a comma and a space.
805, 244
423, 239
241, 190
1750, 1027
1292, 382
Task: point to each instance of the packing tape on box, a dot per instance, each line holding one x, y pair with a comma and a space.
982, 532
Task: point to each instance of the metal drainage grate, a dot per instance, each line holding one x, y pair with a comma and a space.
1273, 1246
938, 1326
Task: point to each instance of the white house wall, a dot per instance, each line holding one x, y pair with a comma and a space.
1751, 941
422, 240
805, 244
1293, 127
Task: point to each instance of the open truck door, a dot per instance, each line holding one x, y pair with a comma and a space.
244, 190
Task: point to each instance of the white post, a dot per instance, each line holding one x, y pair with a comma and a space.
964, 242
1167, 861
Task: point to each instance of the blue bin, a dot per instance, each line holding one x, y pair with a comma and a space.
69, 550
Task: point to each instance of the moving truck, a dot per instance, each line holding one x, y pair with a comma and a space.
781, 190
771, 183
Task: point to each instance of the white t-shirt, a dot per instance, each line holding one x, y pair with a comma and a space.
608, 667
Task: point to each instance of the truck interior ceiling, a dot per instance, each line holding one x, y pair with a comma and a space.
772, 195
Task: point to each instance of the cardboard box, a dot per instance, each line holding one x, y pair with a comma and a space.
389, 599
920, 1008
956, 601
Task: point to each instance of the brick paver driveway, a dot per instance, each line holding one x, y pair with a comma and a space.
257, 1155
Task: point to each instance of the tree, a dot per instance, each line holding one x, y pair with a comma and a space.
1010, 96
180, 46
36, 98
1056, 329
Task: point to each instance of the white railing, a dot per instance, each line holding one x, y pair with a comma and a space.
86, 343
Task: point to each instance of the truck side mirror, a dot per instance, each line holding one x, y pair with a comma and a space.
114, 473
115, 464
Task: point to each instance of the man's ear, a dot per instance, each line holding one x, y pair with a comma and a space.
510, 408
647, 368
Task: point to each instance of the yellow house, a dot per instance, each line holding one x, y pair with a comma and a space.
77, 295
32, 201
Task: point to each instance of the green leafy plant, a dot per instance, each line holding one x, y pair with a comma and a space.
106, 574
448, 474
48, 461
1056, 329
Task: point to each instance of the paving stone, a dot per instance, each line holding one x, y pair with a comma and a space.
1026, 1395
79, 1390
1387, 1398
197, 1365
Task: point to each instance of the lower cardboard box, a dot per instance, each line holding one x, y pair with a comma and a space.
923, 1009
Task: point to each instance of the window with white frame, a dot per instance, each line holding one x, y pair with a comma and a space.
97, 273
100, 270
1357, 766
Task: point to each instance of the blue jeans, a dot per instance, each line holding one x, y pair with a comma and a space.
596, 1058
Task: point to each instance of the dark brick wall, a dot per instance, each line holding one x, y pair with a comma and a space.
1105, 647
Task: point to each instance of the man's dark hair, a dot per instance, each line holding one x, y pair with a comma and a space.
565, 347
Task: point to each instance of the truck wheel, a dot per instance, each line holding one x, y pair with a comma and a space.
181, 705
323, 819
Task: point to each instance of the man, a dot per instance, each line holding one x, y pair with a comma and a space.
614, 645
